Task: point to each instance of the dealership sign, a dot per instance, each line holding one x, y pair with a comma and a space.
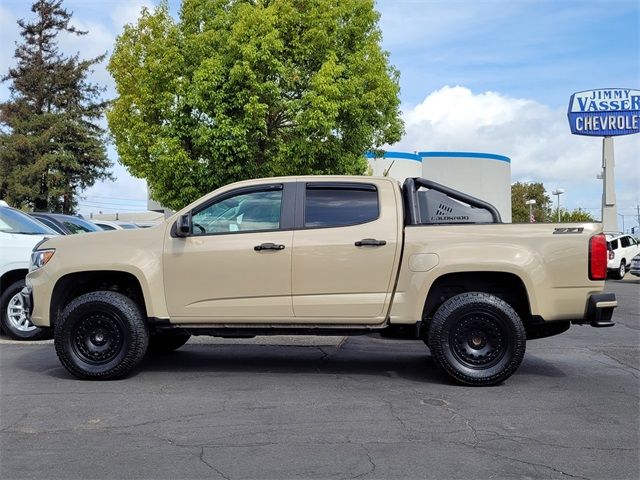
605, 112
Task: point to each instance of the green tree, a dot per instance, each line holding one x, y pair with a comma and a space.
51, 144
239, 89
520, 193
575, 216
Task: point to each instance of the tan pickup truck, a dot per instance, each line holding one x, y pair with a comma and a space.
322, 255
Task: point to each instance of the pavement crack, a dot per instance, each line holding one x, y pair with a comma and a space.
212, 467
371, 463
534, 464
14, 424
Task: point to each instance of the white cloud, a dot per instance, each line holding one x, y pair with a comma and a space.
128, 12
125, 194
534, 136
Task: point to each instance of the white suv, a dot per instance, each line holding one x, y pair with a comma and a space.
19, 233
622, 248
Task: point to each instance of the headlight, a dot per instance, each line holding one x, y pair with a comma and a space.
40, 258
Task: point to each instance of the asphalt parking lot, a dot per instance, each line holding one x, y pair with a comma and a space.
365, 407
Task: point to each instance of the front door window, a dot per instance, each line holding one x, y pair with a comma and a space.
245, 212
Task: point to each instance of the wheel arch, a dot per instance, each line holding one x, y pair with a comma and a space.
12, 276
74, 284
504, 285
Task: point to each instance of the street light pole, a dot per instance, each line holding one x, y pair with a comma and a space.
558, 192
531, 203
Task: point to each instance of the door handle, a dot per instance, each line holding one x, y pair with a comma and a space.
268, 246
370, 242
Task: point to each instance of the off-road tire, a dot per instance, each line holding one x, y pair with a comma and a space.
163, 342
8, 328
477, 339
101, 336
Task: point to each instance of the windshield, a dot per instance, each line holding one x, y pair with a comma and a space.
14, 221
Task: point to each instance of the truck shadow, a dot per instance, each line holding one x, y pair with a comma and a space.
357, 357
413, 362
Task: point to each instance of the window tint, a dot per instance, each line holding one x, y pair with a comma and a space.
52, 225
625, 242
329, 206
614, 244
77, 225
104, 226
251, 211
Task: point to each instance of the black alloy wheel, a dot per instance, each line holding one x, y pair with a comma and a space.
97, 338
479, 340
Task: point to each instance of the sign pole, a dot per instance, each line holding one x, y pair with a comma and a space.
609, 210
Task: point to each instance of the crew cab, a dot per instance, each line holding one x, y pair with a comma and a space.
322, 255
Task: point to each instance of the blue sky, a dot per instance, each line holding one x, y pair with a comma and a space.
475, 76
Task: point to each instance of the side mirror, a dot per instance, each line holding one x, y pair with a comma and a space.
183, 227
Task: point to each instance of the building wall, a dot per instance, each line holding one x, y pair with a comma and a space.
398, 165
484, 175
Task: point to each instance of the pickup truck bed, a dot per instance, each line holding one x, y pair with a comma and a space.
323, 255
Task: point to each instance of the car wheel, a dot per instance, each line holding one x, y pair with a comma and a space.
477, 338
621, 271
13, 316
166, 342
101, 336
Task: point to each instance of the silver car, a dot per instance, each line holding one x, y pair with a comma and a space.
635, 266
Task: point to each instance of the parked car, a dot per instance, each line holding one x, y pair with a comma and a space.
66, 224
111, 225
622, 248
635, 266
323, 255
19, 233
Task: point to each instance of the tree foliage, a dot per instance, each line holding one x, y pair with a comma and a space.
51, 144
543, 210
239, 89
520, 193
575, 216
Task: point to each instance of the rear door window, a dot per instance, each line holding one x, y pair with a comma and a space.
339, 205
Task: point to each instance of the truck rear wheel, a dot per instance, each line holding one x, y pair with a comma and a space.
101, 336
167, 341
477, 338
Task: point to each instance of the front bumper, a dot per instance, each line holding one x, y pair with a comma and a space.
599, 311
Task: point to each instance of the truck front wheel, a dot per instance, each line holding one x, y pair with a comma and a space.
477, 338
101, 336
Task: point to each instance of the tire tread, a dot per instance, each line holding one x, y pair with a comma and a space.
438, 349
138, 334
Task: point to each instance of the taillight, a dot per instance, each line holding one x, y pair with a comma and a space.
598, 257
612, 255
